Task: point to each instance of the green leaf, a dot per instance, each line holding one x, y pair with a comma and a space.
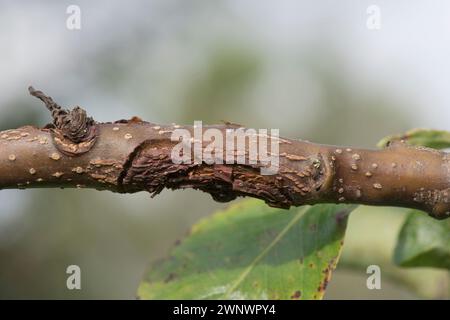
423, 242
252, 251
436, 139
371, 238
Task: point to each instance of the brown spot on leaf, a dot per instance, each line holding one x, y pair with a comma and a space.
341, 217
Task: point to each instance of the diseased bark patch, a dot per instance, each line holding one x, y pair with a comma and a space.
134, 155
151, 168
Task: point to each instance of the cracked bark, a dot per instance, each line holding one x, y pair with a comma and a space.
133, 155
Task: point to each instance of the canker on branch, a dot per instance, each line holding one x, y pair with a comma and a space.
135, 155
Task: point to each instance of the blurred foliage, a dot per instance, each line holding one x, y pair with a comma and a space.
18, 113
217, 93
437, 139
171, 62
371, 239
99, 231
347, 115
423, 242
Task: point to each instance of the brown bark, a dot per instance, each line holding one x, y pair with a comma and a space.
134, 155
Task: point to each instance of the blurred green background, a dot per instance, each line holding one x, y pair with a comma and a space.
312, 69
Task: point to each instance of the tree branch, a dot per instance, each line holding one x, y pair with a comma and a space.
133, 155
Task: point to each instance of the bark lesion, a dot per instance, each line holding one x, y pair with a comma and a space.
133, 155
299, 180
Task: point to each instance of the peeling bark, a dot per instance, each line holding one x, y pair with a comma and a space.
133, 155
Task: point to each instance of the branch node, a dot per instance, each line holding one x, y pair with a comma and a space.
72, 125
